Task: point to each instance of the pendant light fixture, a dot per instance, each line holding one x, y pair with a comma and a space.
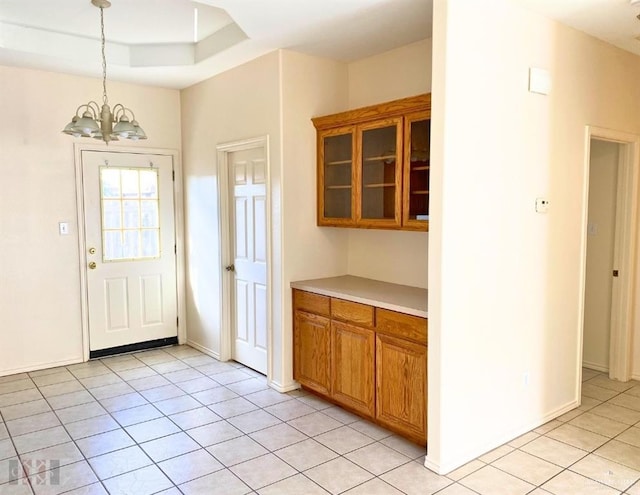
97, 122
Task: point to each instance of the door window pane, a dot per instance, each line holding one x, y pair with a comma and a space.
130, 213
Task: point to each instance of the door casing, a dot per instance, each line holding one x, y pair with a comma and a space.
226, 254
179, 232
624, 252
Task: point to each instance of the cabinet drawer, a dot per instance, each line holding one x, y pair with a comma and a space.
360, 314
401, 325
313, 303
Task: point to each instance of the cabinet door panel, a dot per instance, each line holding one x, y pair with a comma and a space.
401, 386
353, 367
312, 347
415, 207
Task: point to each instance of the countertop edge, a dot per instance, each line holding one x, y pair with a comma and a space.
304, 285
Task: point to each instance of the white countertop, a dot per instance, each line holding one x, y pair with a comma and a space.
394, 297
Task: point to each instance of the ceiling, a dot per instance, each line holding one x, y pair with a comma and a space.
176, 43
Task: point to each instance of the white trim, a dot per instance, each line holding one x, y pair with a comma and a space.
625, 250
226, 327
595, 367
464, 458
205, 350
178, 210
283, 388
42, 366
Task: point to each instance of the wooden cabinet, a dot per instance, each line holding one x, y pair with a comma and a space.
373, 166
369, 360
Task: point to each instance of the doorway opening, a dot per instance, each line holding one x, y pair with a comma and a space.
609, 247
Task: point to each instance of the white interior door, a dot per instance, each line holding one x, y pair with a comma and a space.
130, 241
248, 183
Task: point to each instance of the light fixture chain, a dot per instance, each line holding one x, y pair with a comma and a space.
104, 60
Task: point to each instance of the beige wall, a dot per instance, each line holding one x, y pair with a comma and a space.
504, 280
603, 176
39, 269
398, 257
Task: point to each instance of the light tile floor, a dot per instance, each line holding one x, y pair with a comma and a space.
175, 421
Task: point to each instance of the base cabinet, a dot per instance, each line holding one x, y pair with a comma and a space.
401, 391
369, 360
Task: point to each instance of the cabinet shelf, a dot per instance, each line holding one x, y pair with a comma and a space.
425, 167
420, 192
338, 187
380, 158
339, 162
382, 184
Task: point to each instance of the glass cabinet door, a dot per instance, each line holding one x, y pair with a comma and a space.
380, 168
416, 174
337, 177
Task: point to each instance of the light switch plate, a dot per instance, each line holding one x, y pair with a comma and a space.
539, 81
63, 228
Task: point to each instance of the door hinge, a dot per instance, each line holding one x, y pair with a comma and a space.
177, 321
616, 273
175, 249
173, 175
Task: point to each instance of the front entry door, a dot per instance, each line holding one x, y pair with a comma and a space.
130, 241
247, 172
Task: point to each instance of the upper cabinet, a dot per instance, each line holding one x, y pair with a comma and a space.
373, 166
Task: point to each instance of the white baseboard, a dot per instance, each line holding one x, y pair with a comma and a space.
443, 468
206, 350
595, 366
283, 389
41, 366
635, 377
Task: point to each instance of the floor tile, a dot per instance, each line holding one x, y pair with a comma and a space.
101, 380
568, 416
495, 454
63, 454
262, 471
165, 448
569, 483
617, 413
162, 393
119, 462
377, 458
587, 403
374, 487
577, 437
466, 470
368, 428
404, 446
61, 388
605, 382
622, 453
91, 426
344, 439
148, 383
201, 360
10, 471
18, 489
233, 407
523, 439
237, 450
634, 490
457, 489
94, 489
197, 385
135, 415
289, 410
253, 421
627, 400
278, 436
20, 397
32, 423
269, 397
14, 377
89, 371
154, 357
606, 472
527, 467
298, 484
184, 375
104, 443
170, 366
345, 417
306, 454
40, 439
69, 400
190, 466
64, 479
222, 482
78, 413
214, 395
183, 351
6, 449
315, 402
314, 424
109, 391
598, 424
630, 436
230, 377
338, 475
492, 481
52, 379
143, 481
194, 418
414, 479
177, 405
250, 386
16, 386
553, 451
214, 433
214, 368
598, 393
137, 373
150, 430
122, 402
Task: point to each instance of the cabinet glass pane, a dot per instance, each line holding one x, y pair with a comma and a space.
338, 164
379, 162
419, 167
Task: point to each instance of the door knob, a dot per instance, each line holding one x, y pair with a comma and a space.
92, 250
92, 265
230, 268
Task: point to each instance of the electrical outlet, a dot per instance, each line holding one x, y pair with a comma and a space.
542, 205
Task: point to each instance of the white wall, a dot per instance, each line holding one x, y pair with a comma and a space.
505, 281
398, 257
603, 177
39, 269
238, 104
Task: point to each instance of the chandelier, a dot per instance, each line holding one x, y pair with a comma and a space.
98, 122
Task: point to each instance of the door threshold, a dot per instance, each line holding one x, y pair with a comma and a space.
138, 346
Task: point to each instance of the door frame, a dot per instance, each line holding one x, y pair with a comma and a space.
227, 318
624, 250
178, 212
